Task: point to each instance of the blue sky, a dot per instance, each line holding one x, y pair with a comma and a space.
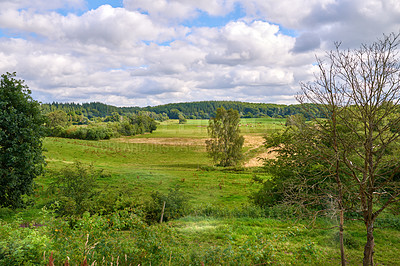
140, 52
93, 4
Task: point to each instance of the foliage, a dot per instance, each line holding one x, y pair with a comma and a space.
193, 110
75, 188
270, 194
128, 126
346, 161
22, 245
21, 133
95, 132
225, 145
57, 120
182, 119
176, 205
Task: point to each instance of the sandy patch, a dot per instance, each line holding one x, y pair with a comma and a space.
258, 160
55, 160
253, 141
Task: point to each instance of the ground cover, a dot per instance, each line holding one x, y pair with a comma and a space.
222, 227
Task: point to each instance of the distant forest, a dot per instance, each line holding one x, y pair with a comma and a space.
191, 110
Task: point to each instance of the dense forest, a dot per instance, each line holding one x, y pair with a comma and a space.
191, 110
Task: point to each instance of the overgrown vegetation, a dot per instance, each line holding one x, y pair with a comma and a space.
219, 225
344, 164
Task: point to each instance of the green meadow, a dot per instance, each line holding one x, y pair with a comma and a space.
221, 226
173, 155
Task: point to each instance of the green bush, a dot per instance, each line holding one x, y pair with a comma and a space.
74, 188
268, 195
175, 205
22, 245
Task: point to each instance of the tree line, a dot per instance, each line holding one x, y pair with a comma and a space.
62, 124
190, 110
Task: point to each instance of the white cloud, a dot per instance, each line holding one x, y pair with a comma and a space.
179, 10
105, 26
42, 5
142, 55
257, 43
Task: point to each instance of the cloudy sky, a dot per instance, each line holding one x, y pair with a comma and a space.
151, 52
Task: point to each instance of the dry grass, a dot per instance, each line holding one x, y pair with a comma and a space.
250, 141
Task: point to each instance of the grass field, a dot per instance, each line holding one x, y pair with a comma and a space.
173, 155
222, 224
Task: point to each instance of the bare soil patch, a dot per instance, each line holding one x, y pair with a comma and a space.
258, 160
253, 141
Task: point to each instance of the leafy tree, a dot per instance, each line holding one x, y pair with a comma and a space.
182, 119
352, 152
56, 122
115, 117
22, 130
225, 145
57, 118
176, 205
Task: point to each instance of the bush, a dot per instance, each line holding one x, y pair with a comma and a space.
88, 133
75, 188
268, 195
175, 205
22, 245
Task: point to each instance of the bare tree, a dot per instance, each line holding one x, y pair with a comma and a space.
359, 93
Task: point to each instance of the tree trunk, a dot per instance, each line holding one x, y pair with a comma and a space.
341, 229
369, 246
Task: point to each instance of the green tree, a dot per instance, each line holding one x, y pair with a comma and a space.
225, 145
57, 118
56, 122
352, 152
182, 119
21, 134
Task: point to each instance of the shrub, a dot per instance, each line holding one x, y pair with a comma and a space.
175, 205
75, 187
268, 195
22, 245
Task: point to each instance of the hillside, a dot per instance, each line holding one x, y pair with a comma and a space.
192, 110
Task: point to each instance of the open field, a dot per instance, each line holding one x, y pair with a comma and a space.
222, 227
173, 155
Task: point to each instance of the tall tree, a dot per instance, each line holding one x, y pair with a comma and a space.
360, 88
21, 133
225, 145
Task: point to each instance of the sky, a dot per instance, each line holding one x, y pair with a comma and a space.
152, 52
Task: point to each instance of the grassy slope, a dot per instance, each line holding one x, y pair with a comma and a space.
144, 167
159, 166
